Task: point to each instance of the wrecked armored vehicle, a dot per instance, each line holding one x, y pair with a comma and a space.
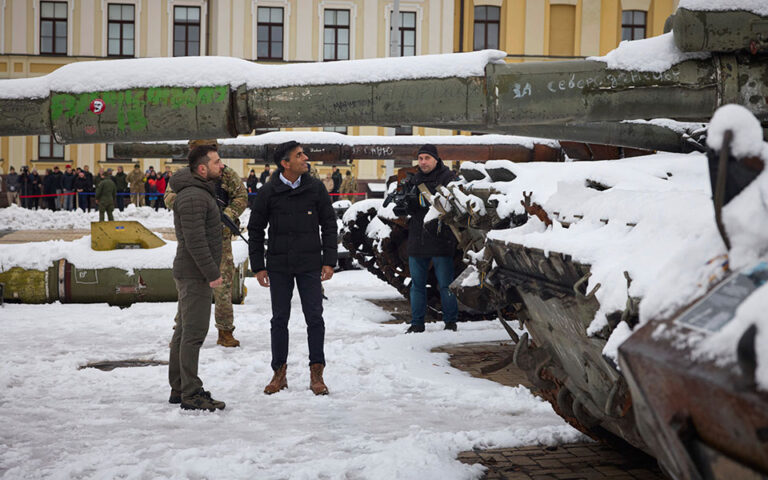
625, 282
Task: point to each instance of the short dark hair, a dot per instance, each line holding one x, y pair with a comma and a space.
349, 173
282, 152
199, 156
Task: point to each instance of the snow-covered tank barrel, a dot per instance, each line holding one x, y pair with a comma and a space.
330, 147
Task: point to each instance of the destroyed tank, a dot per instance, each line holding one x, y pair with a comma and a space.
710, 59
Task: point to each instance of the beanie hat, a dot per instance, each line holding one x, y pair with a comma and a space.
430, 150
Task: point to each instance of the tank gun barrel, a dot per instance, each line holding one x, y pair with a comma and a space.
334, 150
506, 97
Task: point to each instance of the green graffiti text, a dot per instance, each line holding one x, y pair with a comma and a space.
132, 105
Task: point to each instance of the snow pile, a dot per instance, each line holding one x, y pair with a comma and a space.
759, 7
747, 133
655, 54
17, 218
361, 206
674, 125
272, 138
105, 75
41, 255
395, 411
647, 210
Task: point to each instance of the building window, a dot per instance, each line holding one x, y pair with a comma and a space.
633, 24
186, 31
53, 28
120, 27
47, 148
336, 35
487, 27
404, 130
407, 33
270, 33
336, 129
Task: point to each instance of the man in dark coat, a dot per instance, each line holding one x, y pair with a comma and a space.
58, 187
264, 176
35, 187
197, 221
431, 242
67, 184
336, 177
301, 250
49, 188
121, 184
106, 191
252, 185
82, 186
12, 181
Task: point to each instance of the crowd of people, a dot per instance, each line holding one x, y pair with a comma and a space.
75, 188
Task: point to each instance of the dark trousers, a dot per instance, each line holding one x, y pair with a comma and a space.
119, 201
311, 294
192, 321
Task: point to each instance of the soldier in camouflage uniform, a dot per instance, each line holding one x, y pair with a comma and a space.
232, 195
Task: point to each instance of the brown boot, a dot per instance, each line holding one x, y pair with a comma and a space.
316, 383
278, 382
227, 340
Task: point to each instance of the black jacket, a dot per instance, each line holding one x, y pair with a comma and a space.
81, 183
296, 220
68, 181
197, 221
49, 184
264, 177
435, 239
336, 177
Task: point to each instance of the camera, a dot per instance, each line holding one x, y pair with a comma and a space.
405, 198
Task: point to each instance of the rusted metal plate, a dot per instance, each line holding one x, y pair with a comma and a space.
680, 401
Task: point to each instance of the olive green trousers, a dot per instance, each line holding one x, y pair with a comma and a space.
192, 321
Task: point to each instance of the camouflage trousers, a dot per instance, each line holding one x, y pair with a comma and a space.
222, 295
137, 198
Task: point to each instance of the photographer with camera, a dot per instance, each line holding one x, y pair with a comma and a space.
431, 242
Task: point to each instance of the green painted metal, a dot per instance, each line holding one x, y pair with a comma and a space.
67, 283
147, 113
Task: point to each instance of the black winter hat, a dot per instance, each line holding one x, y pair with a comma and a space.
429, 149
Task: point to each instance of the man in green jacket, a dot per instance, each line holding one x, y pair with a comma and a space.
121, 183
105, 196
197, 222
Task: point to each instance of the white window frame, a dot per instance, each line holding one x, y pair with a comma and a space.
70, 17
286, 6
203, 22
334, 4
137, 4
404, 7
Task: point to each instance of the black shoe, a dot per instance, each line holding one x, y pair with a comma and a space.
202, 401
450, 326
415, 329
175, 397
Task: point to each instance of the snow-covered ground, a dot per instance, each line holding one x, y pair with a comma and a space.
396, 410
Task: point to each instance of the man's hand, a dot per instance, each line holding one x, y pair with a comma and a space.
326, 273
216, 283
263, 278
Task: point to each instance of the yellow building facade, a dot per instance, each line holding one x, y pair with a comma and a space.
535, 30
39, 36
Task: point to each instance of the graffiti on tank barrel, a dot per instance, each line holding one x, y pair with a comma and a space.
128, 107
